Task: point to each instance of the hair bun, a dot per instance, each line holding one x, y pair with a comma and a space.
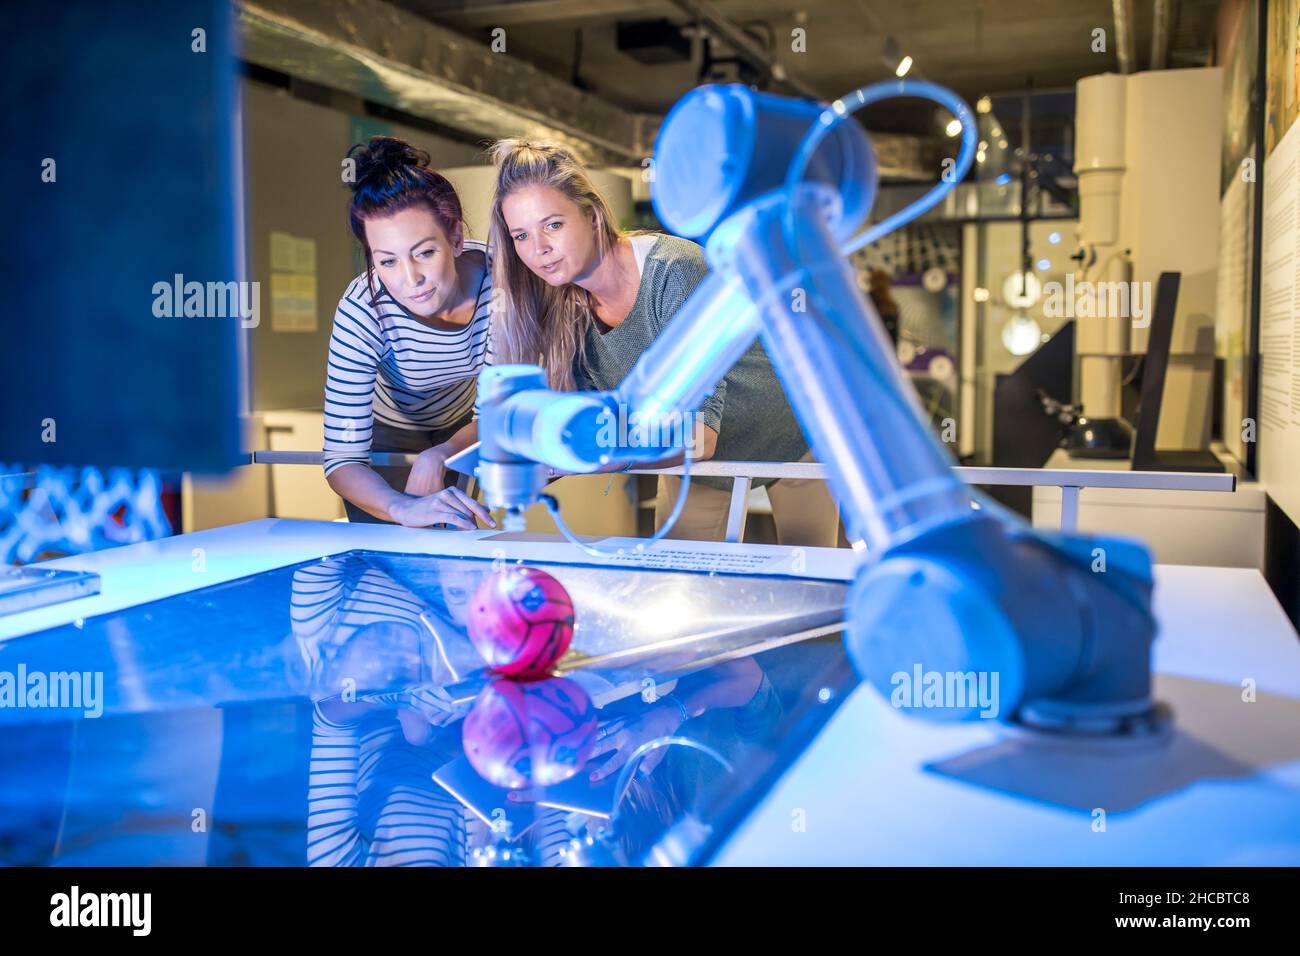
383, 160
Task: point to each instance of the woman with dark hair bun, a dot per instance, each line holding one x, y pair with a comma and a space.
410, 336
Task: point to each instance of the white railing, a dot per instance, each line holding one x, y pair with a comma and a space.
1070, 481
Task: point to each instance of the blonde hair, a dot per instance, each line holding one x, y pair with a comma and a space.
534, 320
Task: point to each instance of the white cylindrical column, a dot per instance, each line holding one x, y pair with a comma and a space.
1100, 341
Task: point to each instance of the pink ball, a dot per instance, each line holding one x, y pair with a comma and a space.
537, 733
521, 621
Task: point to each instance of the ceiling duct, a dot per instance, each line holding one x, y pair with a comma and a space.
388, 56
653, 42
745, 46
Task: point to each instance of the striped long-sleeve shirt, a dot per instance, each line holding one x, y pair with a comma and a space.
387, 365
371, 797
372, 801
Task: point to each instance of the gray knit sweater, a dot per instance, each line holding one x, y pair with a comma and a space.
748, 408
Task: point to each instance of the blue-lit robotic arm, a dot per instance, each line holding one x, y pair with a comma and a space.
522, 423
1059, 624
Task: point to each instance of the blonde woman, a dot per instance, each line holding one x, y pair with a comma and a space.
588, 299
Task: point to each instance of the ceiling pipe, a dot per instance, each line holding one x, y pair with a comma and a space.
1161, 28
1125, 41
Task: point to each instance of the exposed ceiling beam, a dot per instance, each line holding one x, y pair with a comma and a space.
511, 12
386, 55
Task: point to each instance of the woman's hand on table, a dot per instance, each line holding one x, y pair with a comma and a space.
449, 506
620, 741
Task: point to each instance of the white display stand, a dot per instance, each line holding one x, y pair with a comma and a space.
1206, 528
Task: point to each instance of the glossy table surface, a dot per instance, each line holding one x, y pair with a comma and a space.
299, 692
334, 712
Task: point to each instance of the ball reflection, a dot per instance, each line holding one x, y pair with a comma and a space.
530, 734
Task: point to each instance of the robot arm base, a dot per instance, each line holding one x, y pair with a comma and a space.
981, 619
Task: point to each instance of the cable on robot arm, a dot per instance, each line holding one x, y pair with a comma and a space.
838, 112
706, 337
846, 106
553, 508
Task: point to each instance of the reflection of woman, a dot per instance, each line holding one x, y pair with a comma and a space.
377, 735
410, 337
590, 299
371, 798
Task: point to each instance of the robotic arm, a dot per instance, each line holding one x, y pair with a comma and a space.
522, 423
953, 594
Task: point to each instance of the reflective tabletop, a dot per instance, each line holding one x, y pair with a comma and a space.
336, 713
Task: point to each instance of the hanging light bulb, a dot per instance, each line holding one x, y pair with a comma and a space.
1021, 290
1021, 334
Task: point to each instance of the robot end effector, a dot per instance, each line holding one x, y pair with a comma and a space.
649, 417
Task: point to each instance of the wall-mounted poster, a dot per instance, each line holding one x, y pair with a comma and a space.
1236, 50
1282, 101
1279, 332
